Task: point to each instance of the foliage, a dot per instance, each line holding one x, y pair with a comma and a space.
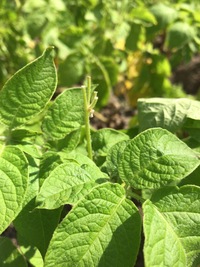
125, 45
70, 193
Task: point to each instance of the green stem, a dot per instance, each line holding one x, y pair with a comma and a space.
88, 84
86, 97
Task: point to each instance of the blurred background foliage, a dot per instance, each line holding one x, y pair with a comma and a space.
130, 48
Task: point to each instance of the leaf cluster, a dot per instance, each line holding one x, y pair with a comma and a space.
142, 41
70, 210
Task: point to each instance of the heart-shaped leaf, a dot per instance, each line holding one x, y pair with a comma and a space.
28, 91
156, 158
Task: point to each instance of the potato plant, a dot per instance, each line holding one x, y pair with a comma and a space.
131, 47
70, 192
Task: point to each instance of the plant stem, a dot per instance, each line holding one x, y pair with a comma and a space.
88, 84
86, 97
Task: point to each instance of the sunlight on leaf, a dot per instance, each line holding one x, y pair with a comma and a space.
103, 229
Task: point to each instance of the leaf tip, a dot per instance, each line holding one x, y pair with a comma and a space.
49, 51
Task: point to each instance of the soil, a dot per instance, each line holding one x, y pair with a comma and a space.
116, 115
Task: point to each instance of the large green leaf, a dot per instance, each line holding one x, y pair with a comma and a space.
172, 227
65, 115
158, 112
66, 184
28, 91
156, 158
13, 184
167, 113
103, 229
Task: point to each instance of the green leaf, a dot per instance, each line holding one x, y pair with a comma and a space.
85, 163
103, 229
30, 142
33, 181
66, 184
163, 14
172, 227
192, 124
28, 91
65, 115
67, 144
76, 157
10, 255
135, 37
49, 161
143, 15
156, 158
114, 156
35, 227
167, 113
158, 112
13, 183
103, 140
179, 34
95, 171
33, 255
